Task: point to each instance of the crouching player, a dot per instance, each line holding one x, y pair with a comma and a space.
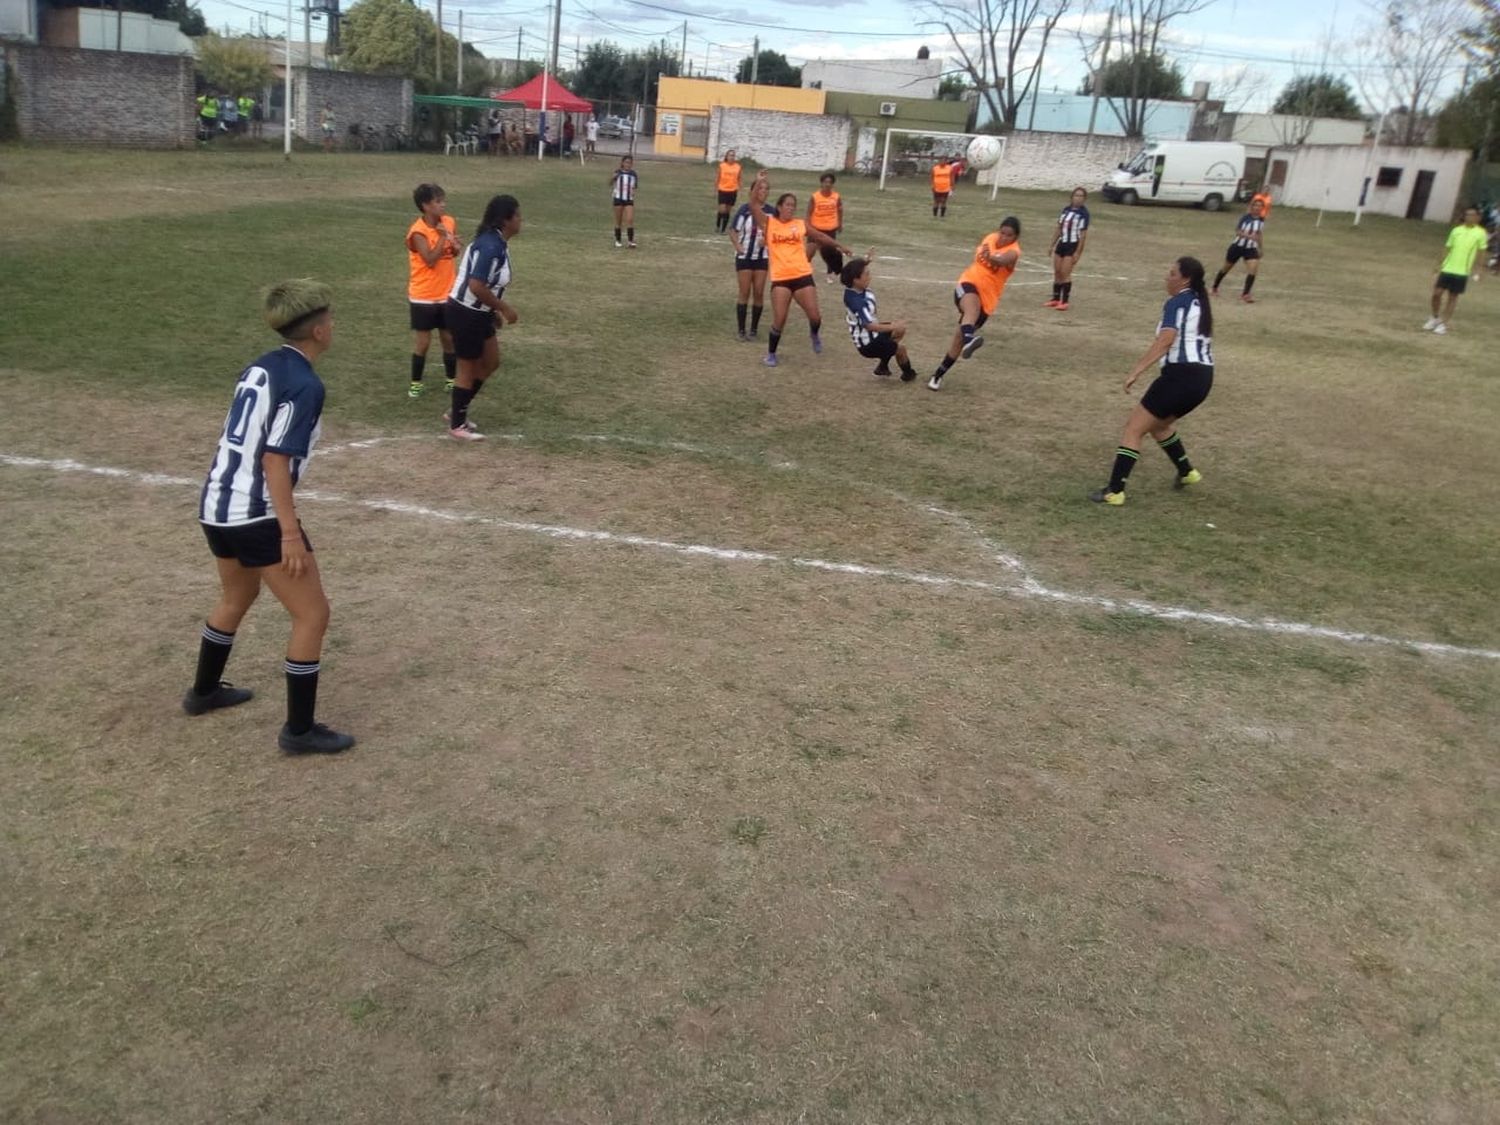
249, 515
873, 338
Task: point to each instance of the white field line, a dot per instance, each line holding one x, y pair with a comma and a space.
1028, 588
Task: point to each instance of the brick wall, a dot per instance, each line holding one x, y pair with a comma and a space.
102, 97
1059, 160
356, 99
805, 141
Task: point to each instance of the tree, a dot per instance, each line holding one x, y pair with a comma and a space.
1409, 46
234, 66
997, 46
601, 73
953, 88
1471, 119
1318, 95
774, 70
1139, 25
1152, 76
396, 37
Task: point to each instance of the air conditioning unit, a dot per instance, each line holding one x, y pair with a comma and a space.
887, 109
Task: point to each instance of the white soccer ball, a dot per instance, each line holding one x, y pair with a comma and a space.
984, 152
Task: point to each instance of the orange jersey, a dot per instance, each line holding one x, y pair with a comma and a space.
825, 210
430, 284
989, 280
785, 241
729, 176
942, 178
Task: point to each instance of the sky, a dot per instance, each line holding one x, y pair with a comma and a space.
1247, 50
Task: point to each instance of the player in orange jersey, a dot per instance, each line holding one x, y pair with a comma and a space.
978, 293
432, 243
791, 272
728, 189
825, 214
942, 186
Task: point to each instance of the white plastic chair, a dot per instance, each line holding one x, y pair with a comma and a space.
449, 144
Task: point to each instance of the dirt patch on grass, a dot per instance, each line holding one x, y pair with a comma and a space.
634, 836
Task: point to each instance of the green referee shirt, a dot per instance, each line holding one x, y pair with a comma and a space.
1465, 243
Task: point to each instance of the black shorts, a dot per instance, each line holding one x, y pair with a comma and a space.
795, 283
624, 203
752, 264
249, 544
1179, 389
427, 315
470, 328
1249, 253
958, 295
1065, 249
833, 234
728, 198
940, 197
1454, 283
881, 346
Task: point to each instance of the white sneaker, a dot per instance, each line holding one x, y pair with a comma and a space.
464, 434
1440, 330
935, 383
1432, 322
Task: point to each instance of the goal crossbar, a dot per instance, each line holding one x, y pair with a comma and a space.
885, 156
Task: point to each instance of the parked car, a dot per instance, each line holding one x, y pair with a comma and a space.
615, 127
1207, 173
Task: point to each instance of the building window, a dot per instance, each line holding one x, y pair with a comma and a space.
695, 131
1278, 173
1388, 177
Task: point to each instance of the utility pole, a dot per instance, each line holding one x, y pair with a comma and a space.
682, 67
460, 51
517, 73
1109, 27
755, 62
307, 36
556, 34
438, 54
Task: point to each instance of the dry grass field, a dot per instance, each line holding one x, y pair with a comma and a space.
746, 746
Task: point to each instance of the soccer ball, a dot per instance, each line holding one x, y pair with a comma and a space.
984, 152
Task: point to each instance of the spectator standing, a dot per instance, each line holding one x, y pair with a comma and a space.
328, 124
591, 135
568, 135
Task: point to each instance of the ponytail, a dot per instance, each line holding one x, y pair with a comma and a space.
1192, 269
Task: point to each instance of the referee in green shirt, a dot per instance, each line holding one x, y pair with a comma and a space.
1465, 244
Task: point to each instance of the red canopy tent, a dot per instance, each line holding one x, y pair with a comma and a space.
558, 98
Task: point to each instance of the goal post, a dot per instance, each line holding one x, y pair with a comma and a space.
919, 148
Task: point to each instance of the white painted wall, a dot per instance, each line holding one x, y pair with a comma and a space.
804, 141
1268, 129
18, 20
1058, 161
895, 78
1330, 176
102, 30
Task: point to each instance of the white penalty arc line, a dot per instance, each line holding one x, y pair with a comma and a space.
1028, 588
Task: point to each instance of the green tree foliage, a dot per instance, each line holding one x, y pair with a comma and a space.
952, 88
1140, 76
1318, 95
774, 70
397, 37
233, 66
610, 74
1471, 119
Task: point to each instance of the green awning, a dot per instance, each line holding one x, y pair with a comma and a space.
453, 101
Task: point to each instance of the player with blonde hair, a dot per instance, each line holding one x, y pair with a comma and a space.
248, 513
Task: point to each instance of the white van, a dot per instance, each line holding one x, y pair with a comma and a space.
1206, 173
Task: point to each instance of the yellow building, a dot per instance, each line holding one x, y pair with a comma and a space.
682, 106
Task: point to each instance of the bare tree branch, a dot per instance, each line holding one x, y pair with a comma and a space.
1408, 47
993, 40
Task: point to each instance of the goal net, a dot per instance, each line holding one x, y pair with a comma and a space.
913, 152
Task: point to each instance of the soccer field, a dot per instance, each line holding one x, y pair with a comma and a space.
735, 744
